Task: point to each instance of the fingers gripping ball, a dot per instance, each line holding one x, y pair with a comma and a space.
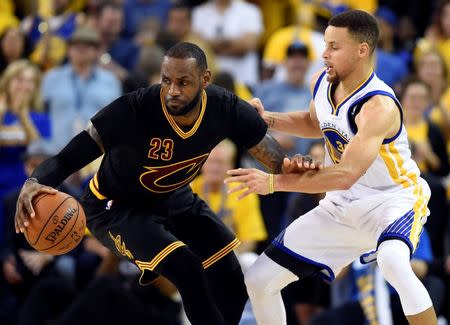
58, 225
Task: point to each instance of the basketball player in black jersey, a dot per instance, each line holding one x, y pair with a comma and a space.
140, 205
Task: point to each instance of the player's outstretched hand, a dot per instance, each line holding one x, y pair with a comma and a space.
257, 104
251, 180
299, 163
24, 206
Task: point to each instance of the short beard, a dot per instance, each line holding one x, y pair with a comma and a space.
333, 80
187, 108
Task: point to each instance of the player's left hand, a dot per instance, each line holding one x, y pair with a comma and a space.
299, 163
257, 104
251, 180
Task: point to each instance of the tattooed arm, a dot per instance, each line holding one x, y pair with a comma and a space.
269, 153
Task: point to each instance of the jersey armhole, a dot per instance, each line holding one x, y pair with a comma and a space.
355, 108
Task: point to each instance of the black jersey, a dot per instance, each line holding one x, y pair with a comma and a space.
147, 155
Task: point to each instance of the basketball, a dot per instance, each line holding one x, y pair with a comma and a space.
58, 225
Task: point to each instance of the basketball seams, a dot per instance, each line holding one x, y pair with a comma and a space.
69, 232
40, 197
49, 218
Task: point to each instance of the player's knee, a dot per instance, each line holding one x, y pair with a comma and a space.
393, 259
264, 277
252, 279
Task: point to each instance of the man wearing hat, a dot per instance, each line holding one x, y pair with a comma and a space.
75, 91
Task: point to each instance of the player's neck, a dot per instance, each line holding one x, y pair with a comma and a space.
189, 118
355, 79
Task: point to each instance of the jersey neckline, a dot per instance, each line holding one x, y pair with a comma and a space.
174, 124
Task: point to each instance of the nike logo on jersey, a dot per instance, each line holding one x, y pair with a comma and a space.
164, 179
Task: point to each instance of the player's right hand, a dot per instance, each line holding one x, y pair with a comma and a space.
24, 206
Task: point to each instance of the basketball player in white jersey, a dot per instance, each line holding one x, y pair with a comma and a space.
376, 202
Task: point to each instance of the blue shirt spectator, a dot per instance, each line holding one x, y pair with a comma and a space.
12, 173
138, 10
291, 94
72, 100
390, 67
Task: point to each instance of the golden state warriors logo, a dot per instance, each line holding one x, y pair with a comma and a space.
335, 143
164, 179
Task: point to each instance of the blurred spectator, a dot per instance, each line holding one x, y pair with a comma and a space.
22, 266
419, 12
77, 90
274, 53
290, 94
118, 55
234, 30
437, 36
389, 67
7, 18
147, 32
430, 68
13, 46
226, 80
277, 14
62, 23
427, 139
137, 11
429, 151
179, 23
147, 70
19, 122
48, 35
242, 217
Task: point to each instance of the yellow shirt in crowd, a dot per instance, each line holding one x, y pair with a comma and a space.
242, 217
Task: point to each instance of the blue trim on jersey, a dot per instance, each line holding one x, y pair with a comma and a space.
365, 261
316, 86
329, 277
335, 109
400, 222
400, 229
354, 93
371, 94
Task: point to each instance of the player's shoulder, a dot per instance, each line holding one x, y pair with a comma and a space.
380, 110
145, 95
219, 94
382, 104
315, 80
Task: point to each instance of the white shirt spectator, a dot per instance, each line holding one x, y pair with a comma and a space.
235, 21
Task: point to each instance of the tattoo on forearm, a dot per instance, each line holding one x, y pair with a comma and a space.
269, 153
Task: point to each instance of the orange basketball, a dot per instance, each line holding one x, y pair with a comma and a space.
58, 225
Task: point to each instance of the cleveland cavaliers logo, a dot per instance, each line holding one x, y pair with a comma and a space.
335, 143
163, 179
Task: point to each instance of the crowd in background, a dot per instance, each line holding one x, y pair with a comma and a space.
63, 60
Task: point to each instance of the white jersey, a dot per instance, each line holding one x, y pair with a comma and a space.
393, 169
